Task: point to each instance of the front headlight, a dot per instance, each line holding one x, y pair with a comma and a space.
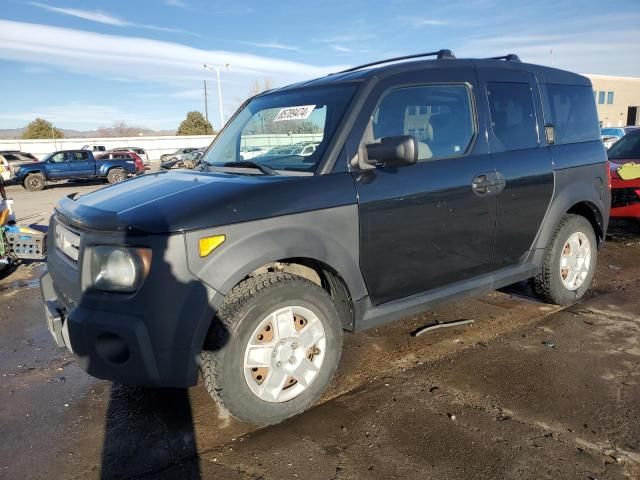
117, 269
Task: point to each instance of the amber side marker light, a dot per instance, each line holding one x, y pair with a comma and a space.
209, 244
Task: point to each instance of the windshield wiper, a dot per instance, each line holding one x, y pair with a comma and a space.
266, 170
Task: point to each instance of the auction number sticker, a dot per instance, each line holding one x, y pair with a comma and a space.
294, 113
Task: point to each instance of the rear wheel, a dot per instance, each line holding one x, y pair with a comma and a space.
116, 175
35, 182
275, 350
569, 263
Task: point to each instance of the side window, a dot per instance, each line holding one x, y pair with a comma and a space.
58, 158
573, 113
439, 117
79, 156
601, 98
513, 115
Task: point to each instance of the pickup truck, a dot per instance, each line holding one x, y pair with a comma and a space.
75, 164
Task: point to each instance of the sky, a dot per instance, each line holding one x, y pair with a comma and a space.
84, 64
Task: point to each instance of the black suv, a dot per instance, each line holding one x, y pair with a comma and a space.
428, 180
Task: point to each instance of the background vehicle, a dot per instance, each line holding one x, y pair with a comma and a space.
611, 135
16, 242
188, 161
73, 164
624, 161
123, 155
137, 150
430, 180
5, 169
95, 148
177, 155
14, 160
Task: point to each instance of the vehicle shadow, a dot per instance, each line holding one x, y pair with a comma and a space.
623, 230
150, 429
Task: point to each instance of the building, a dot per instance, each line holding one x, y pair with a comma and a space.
617, 99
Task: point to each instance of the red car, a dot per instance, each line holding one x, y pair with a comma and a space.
624, 162
124, 155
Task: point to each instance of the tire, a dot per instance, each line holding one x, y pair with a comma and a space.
553, 284
247, 307
35, 182
116, 175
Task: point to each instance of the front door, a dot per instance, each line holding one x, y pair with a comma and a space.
522, 159
424, 226
58, 166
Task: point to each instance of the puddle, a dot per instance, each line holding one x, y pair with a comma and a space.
33, 283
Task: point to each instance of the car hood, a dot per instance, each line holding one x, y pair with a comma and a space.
178, 200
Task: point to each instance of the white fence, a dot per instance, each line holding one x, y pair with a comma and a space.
154, 146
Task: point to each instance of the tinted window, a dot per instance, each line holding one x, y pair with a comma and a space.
628, 147
79, 156
439, 117
601, 98
609, 98
573, 113
513, 115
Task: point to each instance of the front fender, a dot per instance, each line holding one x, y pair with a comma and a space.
329, 236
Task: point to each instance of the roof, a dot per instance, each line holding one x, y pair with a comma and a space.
395, 66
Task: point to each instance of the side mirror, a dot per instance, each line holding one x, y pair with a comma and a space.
550, 133
392, 151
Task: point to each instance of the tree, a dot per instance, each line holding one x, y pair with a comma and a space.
195, 124
40, 128
122, 129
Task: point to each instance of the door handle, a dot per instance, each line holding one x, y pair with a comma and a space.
491, 183
481, 183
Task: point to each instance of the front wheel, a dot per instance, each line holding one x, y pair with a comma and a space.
274, 350
116, 175
569, 262
35, 182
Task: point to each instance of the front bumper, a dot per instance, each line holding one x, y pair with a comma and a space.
151, 338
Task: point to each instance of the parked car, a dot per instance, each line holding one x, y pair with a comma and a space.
611, 135
73, 164
250, 152
177, 155
95, 148
433, 180
18, 152
624, 158
14, 160
5, 169
118, 155
137, 150
189, 161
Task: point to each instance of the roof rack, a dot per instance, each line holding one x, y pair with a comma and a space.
510, 57
440, 55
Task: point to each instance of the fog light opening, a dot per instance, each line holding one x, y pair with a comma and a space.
112, 348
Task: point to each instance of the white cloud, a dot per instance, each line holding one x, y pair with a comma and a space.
274, 45
81, 115
91, 15
105, 18
420, 22
135, 57
176, 3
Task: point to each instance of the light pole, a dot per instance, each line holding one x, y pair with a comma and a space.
217, 69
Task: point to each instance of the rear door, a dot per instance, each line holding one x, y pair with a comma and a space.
81, 164
522, 159
422, 226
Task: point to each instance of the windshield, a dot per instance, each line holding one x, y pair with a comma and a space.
284, 131
627, 147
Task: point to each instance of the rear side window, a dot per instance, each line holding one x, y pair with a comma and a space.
439, 117
573, 113
513, 114
79, 156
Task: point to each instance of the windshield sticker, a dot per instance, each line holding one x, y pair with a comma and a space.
294, 113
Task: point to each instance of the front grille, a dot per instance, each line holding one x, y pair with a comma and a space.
621, 197
67, 242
